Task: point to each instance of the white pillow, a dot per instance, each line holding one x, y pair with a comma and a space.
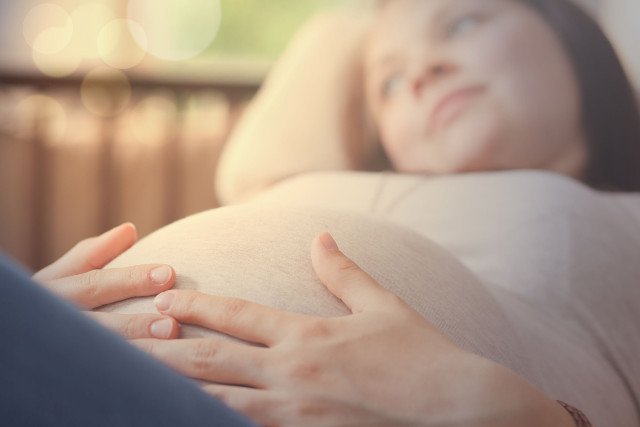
621, 20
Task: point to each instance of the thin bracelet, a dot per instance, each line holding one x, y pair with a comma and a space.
577, 415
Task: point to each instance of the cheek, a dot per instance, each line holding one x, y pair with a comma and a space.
534, 86
477, 140
524, 55
540, 84
400, 129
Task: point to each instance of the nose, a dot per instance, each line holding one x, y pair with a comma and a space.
429, 73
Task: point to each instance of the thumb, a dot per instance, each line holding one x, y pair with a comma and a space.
345, 279
91, 254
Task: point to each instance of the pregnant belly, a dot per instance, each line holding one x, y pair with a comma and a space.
261, 253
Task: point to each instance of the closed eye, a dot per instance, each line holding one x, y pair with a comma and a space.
390, 85
463, 24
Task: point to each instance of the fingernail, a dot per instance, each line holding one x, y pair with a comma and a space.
121, 227
163, 301
161, 328
161, 275
328, 242
129, 224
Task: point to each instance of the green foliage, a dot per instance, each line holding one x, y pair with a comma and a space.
261, 28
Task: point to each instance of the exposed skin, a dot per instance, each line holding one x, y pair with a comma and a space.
78, 276
306, 370
384, 365
523, 111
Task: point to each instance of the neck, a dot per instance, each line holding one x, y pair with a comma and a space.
572, 161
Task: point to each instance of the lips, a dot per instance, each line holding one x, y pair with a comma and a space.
451, 106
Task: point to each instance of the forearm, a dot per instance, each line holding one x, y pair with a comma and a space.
318, 81
511, 401
476, 392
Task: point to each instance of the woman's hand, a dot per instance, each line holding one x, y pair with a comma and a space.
382, 365
79, 276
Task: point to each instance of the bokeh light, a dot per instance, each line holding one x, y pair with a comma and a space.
176, 30
116, 44
88, 20
60, 64
52, 20
53, 40
50, 114
105, 91
49, 30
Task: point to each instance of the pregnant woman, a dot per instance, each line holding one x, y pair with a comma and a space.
421, 338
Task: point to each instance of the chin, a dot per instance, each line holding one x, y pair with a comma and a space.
472, 145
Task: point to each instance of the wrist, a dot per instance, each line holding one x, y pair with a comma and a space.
510, 400
578, 417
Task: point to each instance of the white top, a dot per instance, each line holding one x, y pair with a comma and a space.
530, 269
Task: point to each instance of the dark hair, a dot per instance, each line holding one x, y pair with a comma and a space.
610, 114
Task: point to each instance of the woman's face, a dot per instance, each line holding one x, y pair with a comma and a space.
472, 85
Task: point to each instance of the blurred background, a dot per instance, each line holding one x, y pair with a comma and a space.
117, 110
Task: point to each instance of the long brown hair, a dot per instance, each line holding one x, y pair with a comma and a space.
610, 113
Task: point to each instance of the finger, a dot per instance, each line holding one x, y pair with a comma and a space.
137, 326
100, 287
91, 254
238, 318
345, 279
261, 406
210, 359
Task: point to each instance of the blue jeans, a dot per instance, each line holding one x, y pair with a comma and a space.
59, 368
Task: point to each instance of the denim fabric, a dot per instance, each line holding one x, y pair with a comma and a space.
59, 368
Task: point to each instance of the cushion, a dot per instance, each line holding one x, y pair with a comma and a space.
620, 20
